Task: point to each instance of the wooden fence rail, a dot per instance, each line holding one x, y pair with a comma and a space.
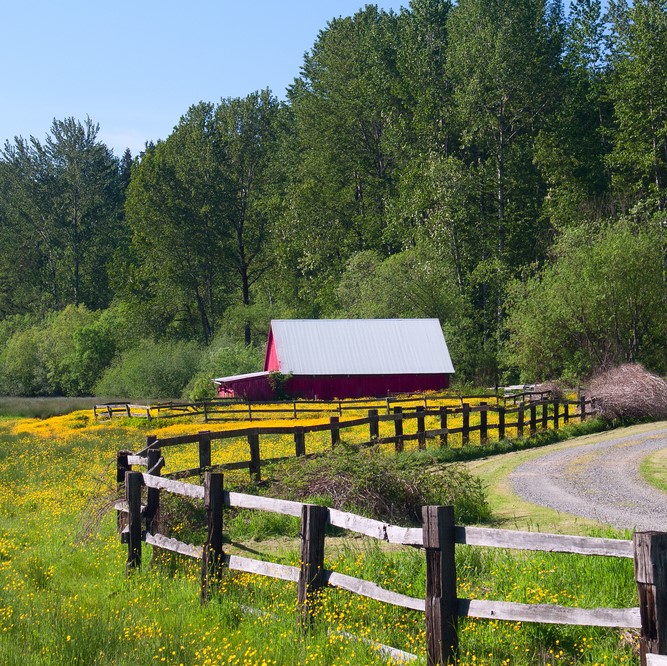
541, 414
439, 537
225, 409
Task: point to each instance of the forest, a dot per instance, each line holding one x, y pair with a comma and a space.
498, 164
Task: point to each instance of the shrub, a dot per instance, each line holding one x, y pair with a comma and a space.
22, 371
222, 358
391, 488
629, 392
151, 370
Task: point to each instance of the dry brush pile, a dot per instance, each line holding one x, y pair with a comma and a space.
629, 392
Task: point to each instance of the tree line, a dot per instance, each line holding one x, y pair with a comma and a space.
498, 165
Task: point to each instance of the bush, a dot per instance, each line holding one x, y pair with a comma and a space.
64, 353
22, 371
222, 358
600, 302
151, 370
390, 488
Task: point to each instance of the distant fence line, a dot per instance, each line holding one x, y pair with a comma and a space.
439, 537
529, 419
218, 409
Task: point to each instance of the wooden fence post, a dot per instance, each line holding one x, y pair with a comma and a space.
398, 429
205, 405
335, 431
213, 556
311, 574
133, 483
300, 441
501, 423
650, 550
128, 411
249, 411
421, 427
255, 460
545, 413
566, 412
122, 467
374, 424
153, 494
204, 449
582, 408
533, 419
465, 431
340, 408
443, 424
294, 408
441, 601
519, 421
556, 405
483, 424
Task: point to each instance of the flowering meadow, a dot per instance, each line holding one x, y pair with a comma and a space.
64, 597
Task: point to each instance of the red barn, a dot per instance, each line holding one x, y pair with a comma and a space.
348, 358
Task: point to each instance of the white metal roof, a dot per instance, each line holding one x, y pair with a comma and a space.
231, 378
360, 346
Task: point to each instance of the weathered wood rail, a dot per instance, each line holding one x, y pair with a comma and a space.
438, 536
526, 419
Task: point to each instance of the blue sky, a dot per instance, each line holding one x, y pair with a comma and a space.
136, 66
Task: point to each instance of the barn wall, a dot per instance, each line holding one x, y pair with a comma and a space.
361, 386
332, 386
252, 388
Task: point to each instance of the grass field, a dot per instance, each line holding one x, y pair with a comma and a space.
64, 598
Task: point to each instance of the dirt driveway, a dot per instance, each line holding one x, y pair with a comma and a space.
598, 481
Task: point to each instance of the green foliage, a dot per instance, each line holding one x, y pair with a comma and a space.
423, 161
22, 369
62, 220
222, 358
639, 92
599, 303
196, 206
278, 382
63, 354
151, 370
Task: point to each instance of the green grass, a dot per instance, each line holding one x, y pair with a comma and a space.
653, 469
64, 598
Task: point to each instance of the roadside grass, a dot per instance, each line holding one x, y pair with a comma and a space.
64, 598
653, 469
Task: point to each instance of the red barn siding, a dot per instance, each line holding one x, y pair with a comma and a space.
328, 387
250, 388
271, 363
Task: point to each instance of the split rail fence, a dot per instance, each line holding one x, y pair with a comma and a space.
438, 537
225, 409
527, 420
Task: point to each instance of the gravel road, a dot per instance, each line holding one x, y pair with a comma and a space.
599, 481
